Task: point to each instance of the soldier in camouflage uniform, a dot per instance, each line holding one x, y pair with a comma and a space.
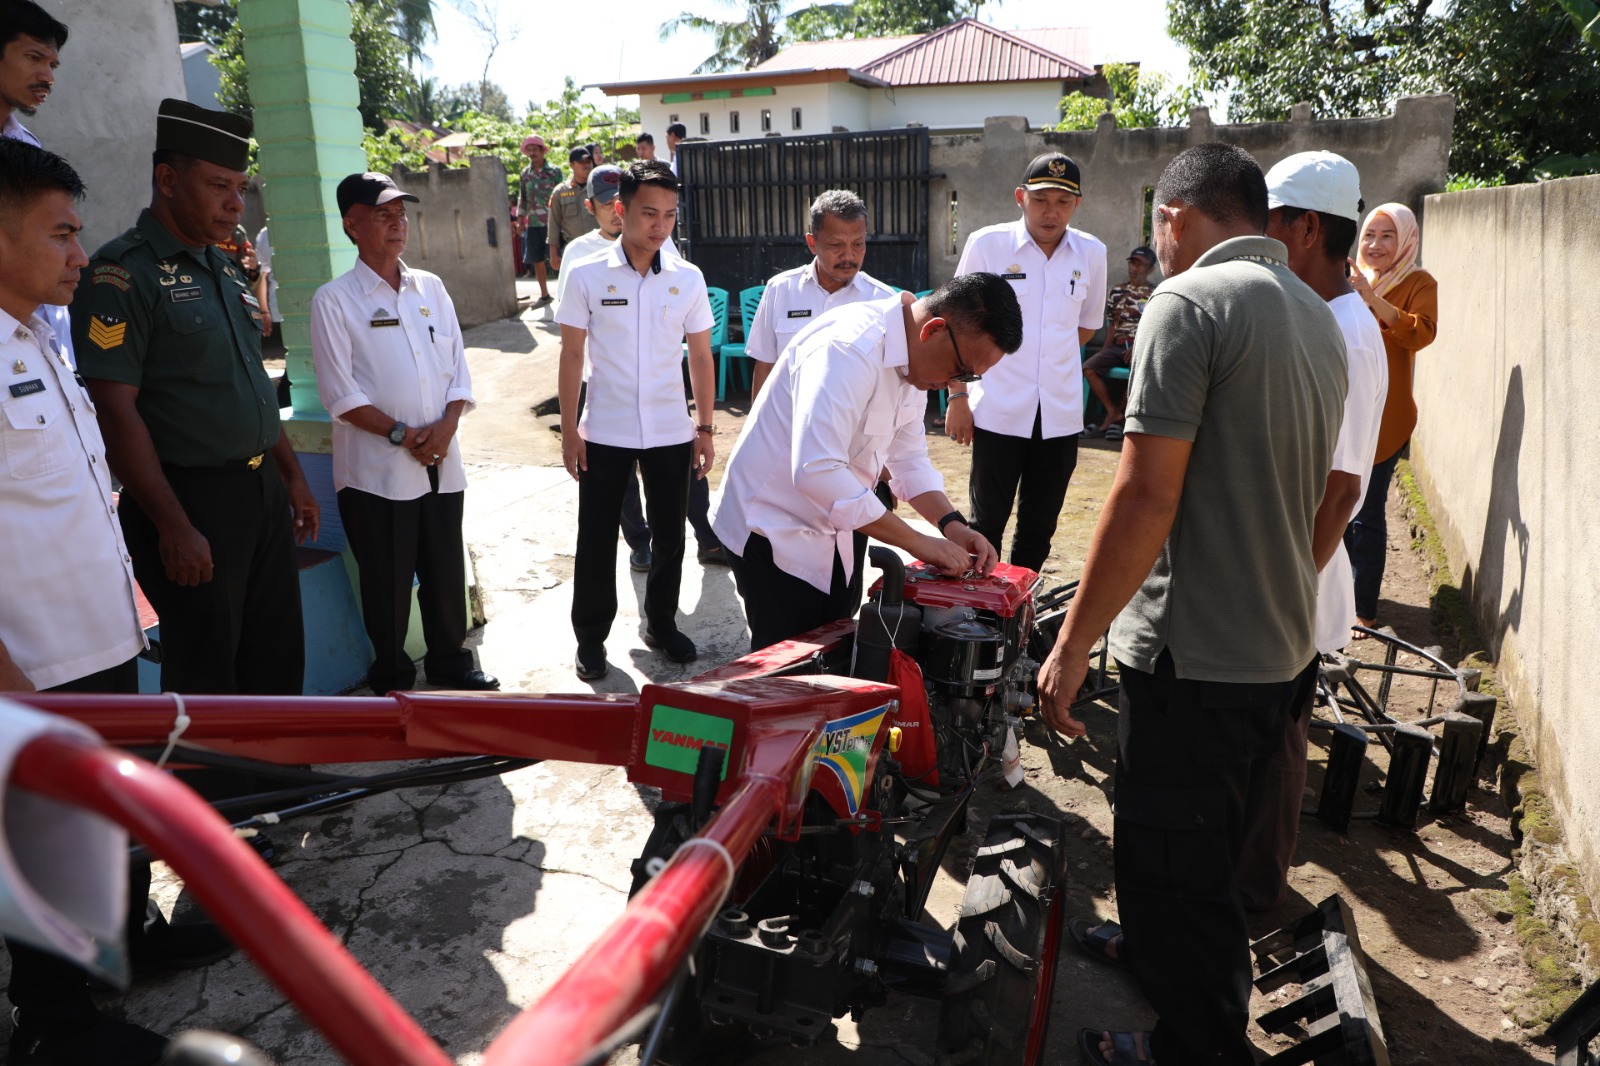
539, 179
168, 337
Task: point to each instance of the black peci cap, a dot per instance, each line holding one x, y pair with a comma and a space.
217, 137
370, 189
1145, 252
1053, 171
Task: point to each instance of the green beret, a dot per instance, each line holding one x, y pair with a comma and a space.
214, 136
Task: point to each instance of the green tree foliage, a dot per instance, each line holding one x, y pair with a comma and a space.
1522, 71
877, 18
1136, 99
196, 22
385, 83
739, 43
483, 97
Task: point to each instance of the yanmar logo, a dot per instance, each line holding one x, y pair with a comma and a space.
684, 740
677, 735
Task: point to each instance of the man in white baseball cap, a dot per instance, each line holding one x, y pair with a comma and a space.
1314, 207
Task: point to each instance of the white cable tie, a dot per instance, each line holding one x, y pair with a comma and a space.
179, 725
270, 817
720, 850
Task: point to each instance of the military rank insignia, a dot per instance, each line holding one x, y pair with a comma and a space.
106, 332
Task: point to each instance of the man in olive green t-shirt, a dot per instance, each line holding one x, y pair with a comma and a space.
1203, 558
168, 338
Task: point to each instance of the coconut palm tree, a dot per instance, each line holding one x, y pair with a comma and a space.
740, 44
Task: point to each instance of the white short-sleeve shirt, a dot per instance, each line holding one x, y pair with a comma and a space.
1368, 368
67, 604
633, 362
1059, 295
401, 352
836, 411
794, 299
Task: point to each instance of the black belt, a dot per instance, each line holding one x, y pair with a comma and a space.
230, 466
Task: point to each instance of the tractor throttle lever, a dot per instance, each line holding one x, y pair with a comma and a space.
707, 777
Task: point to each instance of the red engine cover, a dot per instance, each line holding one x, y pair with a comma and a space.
1003, 592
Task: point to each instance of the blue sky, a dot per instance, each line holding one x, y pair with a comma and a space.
617, 41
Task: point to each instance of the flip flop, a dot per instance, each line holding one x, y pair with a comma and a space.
1127, 1049
1094, 944
1091, 430
1114, 431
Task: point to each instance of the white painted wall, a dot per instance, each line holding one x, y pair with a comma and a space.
812, 100
119, 62
850, 106
828, 104
966, 106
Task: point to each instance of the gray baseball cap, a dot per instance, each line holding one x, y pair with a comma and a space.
604, 185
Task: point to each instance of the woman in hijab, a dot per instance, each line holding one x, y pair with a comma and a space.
1405, 299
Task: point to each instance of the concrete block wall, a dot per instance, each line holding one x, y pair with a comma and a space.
1507, 450
1401, 158
451, 232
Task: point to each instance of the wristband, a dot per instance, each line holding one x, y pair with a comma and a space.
709, 431
953, 516
958, 396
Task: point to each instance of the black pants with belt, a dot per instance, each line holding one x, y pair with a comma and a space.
47, 987
1192, 772
778, 605
240, 632
394, 540
1033, 471
665, 473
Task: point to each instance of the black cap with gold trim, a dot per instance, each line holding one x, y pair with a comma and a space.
213, 136
1053, 171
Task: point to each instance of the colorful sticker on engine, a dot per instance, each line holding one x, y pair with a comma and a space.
843, 748
677, 735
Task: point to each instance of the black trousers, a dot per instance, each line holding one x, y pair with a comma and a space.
47, 986
636, 531
240, 632
665, 473
1192, 772
778, 605
394, 540
1033, 471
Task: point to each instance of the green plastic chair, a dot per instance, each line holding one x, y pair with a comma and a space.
719, 323
749, 303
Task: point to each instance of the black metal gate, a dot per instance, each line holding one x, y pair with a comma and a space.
745, 204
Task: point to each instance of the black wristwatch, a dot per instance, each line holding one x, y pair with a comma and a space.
953, 516
397, 433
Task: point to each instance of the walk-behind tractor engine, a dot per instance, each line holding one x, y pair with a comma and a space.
828, 919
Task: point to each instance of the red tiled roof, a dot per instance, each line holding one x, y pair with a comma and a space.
833, 55
968, 52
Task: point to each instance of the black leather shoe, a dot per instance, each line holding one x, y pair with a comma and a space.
91, 1041
716, 555
179, 947
639, 561
674, 645
467, 681
590, 662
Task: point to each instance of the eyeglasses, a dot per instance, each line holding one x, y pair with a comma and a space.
962, 374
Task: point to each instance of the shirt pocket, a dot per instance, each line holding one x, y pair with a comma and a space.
674, 313
32, 439
877, 430
204, 339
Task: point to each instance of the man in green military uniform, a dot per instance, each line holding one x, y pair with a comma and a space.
569, 219
213, 501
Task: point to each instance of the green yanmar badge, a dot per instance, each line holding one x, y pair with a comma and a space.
676, 737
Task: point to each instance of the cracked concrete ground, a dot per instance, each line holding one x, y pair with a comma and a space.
467, 901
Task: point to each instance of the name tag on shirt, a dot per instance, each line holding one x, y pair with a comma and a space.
1015, 277
613, 303
184, 295
27, 388
378, 323
800, 314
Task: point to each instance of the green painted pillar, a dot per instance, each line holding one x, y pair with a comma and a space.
303, 88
